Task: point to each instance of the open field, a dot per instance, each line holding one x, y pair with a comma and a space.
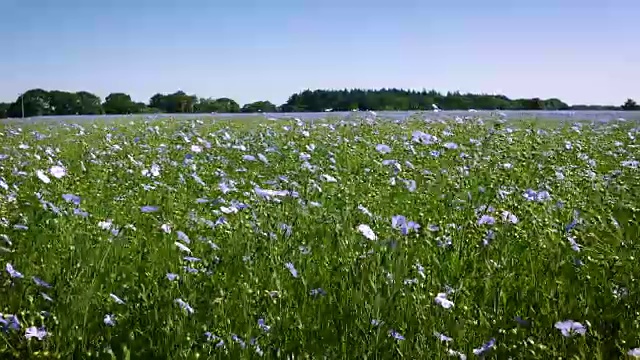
366, 238
565, 115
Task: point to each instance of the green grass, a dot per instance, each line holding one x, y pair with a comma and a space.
527, 270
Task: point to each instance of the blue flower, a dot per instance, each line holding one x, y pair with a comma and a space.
263, 325
149, 209
172, 276
317, 292
569, 327
442, 337
410, 184
183, 237
80, 212
9, 321
239, 340
184, 305
109, 320
72, 198
485, 347
46, 297
292, 269
571, 225
400, 222
396, 335
383, 149
40, 282
13, 272
190, 270
33, 332
538, 196
486, 219
521, 321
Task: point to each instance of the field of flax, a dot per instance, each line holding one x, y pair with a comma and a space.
353, 238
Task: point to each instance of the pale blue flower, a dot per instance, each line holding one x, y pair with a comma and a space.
486, 219
171, 276
317, 292
109, 320
75, 199
13, 272
34, 332
149, 209
183, 237
485, 347
117, 299
184, 306
263, 325
442, 337
396, 335
569, 327
383, 149
291, 269
441, 299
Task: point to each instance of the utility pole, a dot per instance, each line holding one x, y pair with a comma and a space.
22, 101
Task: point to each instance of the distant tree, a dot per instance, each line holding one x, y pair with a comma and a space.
227, 105
178, 102
37, 102
121, 103
259, 106
398, 99
88, 103
4, 110
555, 104
630, 104
221, 105
63, 103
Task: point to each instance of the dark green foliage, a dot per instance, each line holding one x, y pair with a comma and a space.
630, 104
38, 102
259, 106
121, 103
398, 99
178, 102
221, 105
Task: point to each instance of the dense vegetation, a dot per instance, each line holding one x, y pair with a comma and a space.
424, 238
38, 102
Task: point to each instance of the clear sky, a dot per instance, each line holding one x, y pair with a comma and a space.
581, 51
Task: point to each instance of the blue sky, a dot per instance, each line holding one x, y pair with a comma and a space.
582, 51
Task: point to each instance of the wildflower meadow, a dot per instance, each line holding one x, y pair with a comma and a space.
357, 237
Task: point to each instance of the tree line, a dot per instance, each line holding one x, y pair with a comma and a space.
39, 102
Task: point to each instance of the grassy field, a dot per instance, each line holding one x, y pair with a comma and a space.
353, 239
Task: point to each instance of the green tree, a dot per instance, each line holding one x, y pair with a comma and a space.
178, 102
630, 104
399, 99
259, 106
221, 105
63, 103
121, 103
4, 110
36, 103
88, 103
